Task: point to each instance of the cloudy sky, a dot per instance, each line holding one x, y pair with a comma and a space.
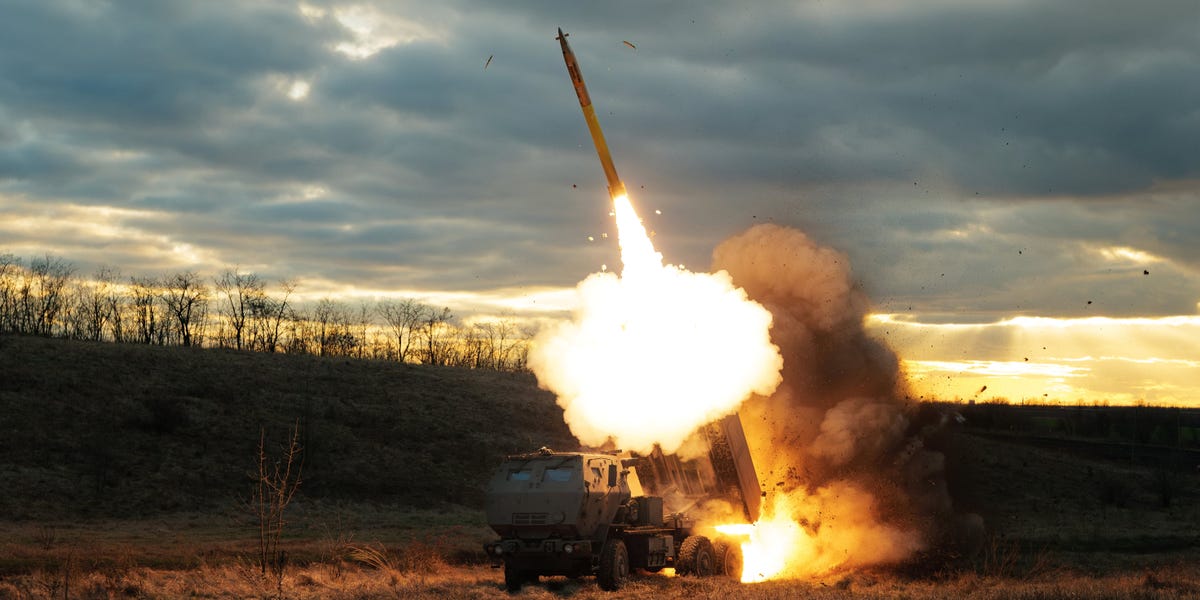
1015, 183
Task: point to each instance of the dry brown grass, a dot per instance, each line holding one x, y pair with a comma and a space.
362, 582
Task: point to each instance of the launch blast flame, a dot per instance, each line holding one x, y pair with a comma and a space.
656, 352
810, 534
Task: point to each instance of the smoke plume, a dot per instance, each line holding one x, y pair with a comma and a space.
837, 445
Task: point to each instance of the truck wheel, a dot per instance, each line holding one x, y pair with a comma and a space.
614, 566
514, 578
696, 557
729, 559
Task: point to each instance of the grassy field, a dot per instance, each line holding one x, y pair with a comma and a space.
125, 472
434, 582
98, 430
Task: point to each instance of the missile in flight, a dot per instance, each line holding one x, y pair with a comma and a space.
615, 187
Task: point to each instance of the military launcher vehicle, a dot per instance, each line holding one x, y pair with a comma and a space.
604, 514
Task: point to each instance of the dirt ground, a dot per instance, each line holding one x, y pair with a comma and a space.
443, 582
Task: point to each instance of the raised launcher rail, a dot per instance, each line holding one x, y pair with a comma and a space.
726, 471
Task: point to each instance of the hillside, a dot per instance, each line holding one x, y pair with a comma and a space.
101, 430
112, 444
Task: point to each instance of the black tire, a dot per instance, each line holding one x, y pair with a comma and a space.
514, 578
720, 547
696, 557
729, 559
614, 566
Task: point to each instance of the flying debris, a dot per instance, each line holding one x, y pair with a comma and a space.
489, 61
615, 187
630, 44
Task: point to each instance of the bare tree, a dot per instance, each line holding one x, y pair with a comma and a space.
44, 300
147, 320
98, 309
116, 304
41, 294
332, 328
242, 292
362, 327
77, 322
10, 275
301, 334
402, 317
474, 353
435, 331
275, 485
323, 321
500, 340
186, 298
519, 357
270, 315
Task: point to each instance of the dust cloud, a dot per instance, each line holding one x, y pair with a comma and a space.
838, 447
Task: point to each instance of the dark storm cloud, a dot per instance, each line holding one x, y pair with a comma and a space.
982, 260
1068, 97
145, 64
921, 139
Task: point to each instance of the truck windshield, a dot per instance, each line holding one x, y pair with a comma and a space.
520, 474
558, 474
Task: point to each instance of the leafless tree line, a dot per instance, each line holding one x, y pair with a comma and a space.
238, 309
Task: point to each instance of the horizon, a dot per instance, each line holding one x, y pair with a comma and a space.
1013, 184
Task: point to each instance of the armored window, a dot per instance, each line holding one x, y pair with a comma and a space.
520, 474
558, 474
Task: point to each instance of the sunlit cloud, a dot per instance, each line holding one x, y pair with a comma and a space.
314, 191
1178, 362
1093, 359
1125, 254
78, 226
298, 90
972, 230
374, 30
312, 13
525, 303
1033, 323
997, 368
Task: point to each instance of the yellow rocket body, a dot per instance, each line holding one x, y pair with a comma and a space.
615, 187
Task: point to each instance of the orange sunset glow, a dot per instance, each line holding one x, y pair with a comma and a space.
1063, 360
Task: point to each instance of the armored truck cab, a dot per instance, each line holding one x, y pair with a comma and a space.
581, 513
548, 494
553, 512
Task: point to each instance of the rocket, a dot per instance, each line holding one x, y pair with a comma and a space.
615, 187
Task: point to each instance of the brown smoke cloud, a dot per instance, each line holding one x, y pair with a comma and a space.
838, 436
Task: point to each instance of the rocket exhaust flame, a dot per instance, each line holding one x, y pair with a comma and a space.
657, 352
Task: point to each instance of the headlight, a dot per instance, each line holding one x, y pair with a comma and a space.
498, 550
569, 548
